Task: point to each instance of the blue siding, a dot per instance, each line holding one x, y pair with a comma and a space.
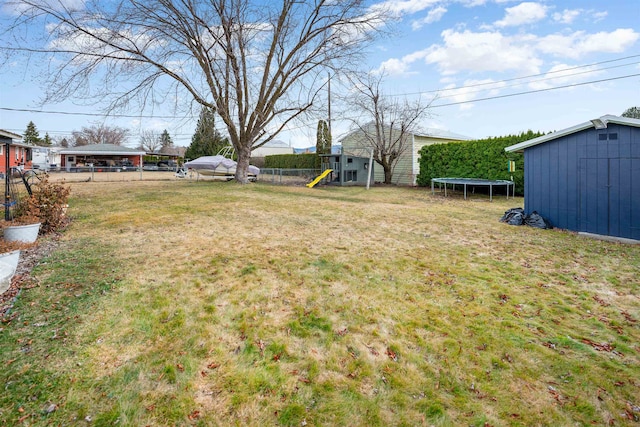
581, 182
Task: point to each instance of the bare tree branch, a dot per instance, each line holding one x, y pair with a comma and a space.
389, 122
254, 63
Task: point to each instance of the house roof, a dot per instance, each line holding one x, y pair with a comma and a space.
443, 134
275, 143
599, 123
425, 133
102, 149
9, 135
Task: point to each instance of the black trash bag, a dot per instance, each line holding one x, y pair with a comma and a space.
536, 220
513, 216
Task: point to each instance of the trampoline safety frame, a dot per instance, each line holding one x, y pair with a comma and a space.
475, 182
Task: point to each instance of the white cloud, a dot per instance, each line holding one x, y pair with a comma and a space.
562, 75
567, 16
524, 13
434, 15
470, 91
580, 43
402, 7
476, 52
599, 16
394, 67
485, 51
17, 7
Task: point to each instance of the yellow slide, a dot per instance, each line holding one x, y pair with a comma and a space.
319, 178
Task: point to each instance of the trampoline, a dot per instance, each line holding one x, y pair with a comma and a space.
475, 182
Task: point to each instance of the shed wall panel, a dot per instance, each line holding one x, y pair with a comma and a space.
586, 182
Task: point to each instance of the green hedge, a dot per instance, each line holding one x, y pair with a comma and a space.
484, 158
292, 161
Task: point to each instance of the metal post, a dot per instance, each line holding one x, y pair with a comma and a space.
7, 181
490, 192
369, 171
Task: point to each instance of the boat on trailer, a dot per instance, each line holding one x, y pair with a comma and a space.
219, 166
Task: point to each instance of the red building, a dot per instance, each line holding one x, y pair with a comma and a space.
19, 153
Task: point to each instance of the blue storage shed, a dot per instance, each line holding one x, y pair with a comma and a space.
586, 178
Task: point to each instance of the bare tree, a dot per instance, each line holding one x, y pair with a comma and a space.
150, 141
100, 134
388, 124
258, 64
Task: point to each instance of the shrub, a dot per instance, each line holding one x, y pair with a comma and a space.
483, 158
51, 200
293, 161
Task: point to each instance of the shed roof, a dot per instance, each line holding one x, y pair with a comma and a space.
102, 149
599, 123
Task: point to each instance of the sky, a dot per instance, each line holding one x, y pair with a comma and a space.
488, 67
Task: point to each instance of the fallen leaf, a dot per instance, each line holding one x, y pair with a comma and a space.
392, 354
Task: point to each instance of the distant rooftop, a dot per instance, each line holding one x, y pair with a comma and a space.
102, 149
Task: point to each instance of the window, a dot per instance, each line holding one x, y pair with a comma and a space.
613, 137
602, 137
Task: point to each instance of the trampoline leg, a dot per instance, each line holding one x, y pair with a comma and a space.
491, 193
433, 191
465, 191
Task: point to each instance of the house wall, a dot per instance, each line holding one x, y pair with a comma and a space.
269, 151
407, 168
18, 156
587, 181
356, 144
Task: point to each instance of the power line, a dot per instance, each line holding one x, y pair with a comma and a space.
528, 82
530, 76
72, 113
497, 82
535, 91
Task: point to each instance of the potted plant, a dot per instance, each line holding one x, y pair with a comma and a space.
9, 258
24, 225
42, 212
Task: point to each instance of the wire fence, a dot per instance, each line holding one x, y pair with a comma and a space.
288, 176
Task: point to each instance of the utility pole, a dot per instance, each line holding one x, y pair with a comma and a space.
329, 106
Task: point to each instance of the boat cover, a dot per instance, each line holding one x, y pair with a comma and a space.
218, 164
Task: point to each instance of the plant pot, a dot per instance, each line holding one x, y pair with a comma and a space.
22, 233
8, 265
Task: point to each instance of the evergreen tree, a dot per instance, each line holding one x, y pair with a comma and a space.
64, 143
206, 140
31, 135
46, 141
165, 141
632, 113
323, 138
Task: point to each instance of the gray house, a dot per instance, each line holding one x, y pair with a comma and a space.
586, 178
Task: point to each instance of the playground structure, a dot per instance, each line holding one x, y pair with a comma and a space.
344, 170
319, 178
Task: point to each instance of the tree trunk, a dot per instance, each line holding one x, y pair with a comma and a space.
242, 168
388, 174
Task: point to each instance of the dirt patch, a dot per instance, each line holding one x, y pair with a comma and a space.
22, 279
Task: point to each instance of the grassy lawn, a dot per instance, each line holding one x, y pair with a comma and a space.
204, 303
